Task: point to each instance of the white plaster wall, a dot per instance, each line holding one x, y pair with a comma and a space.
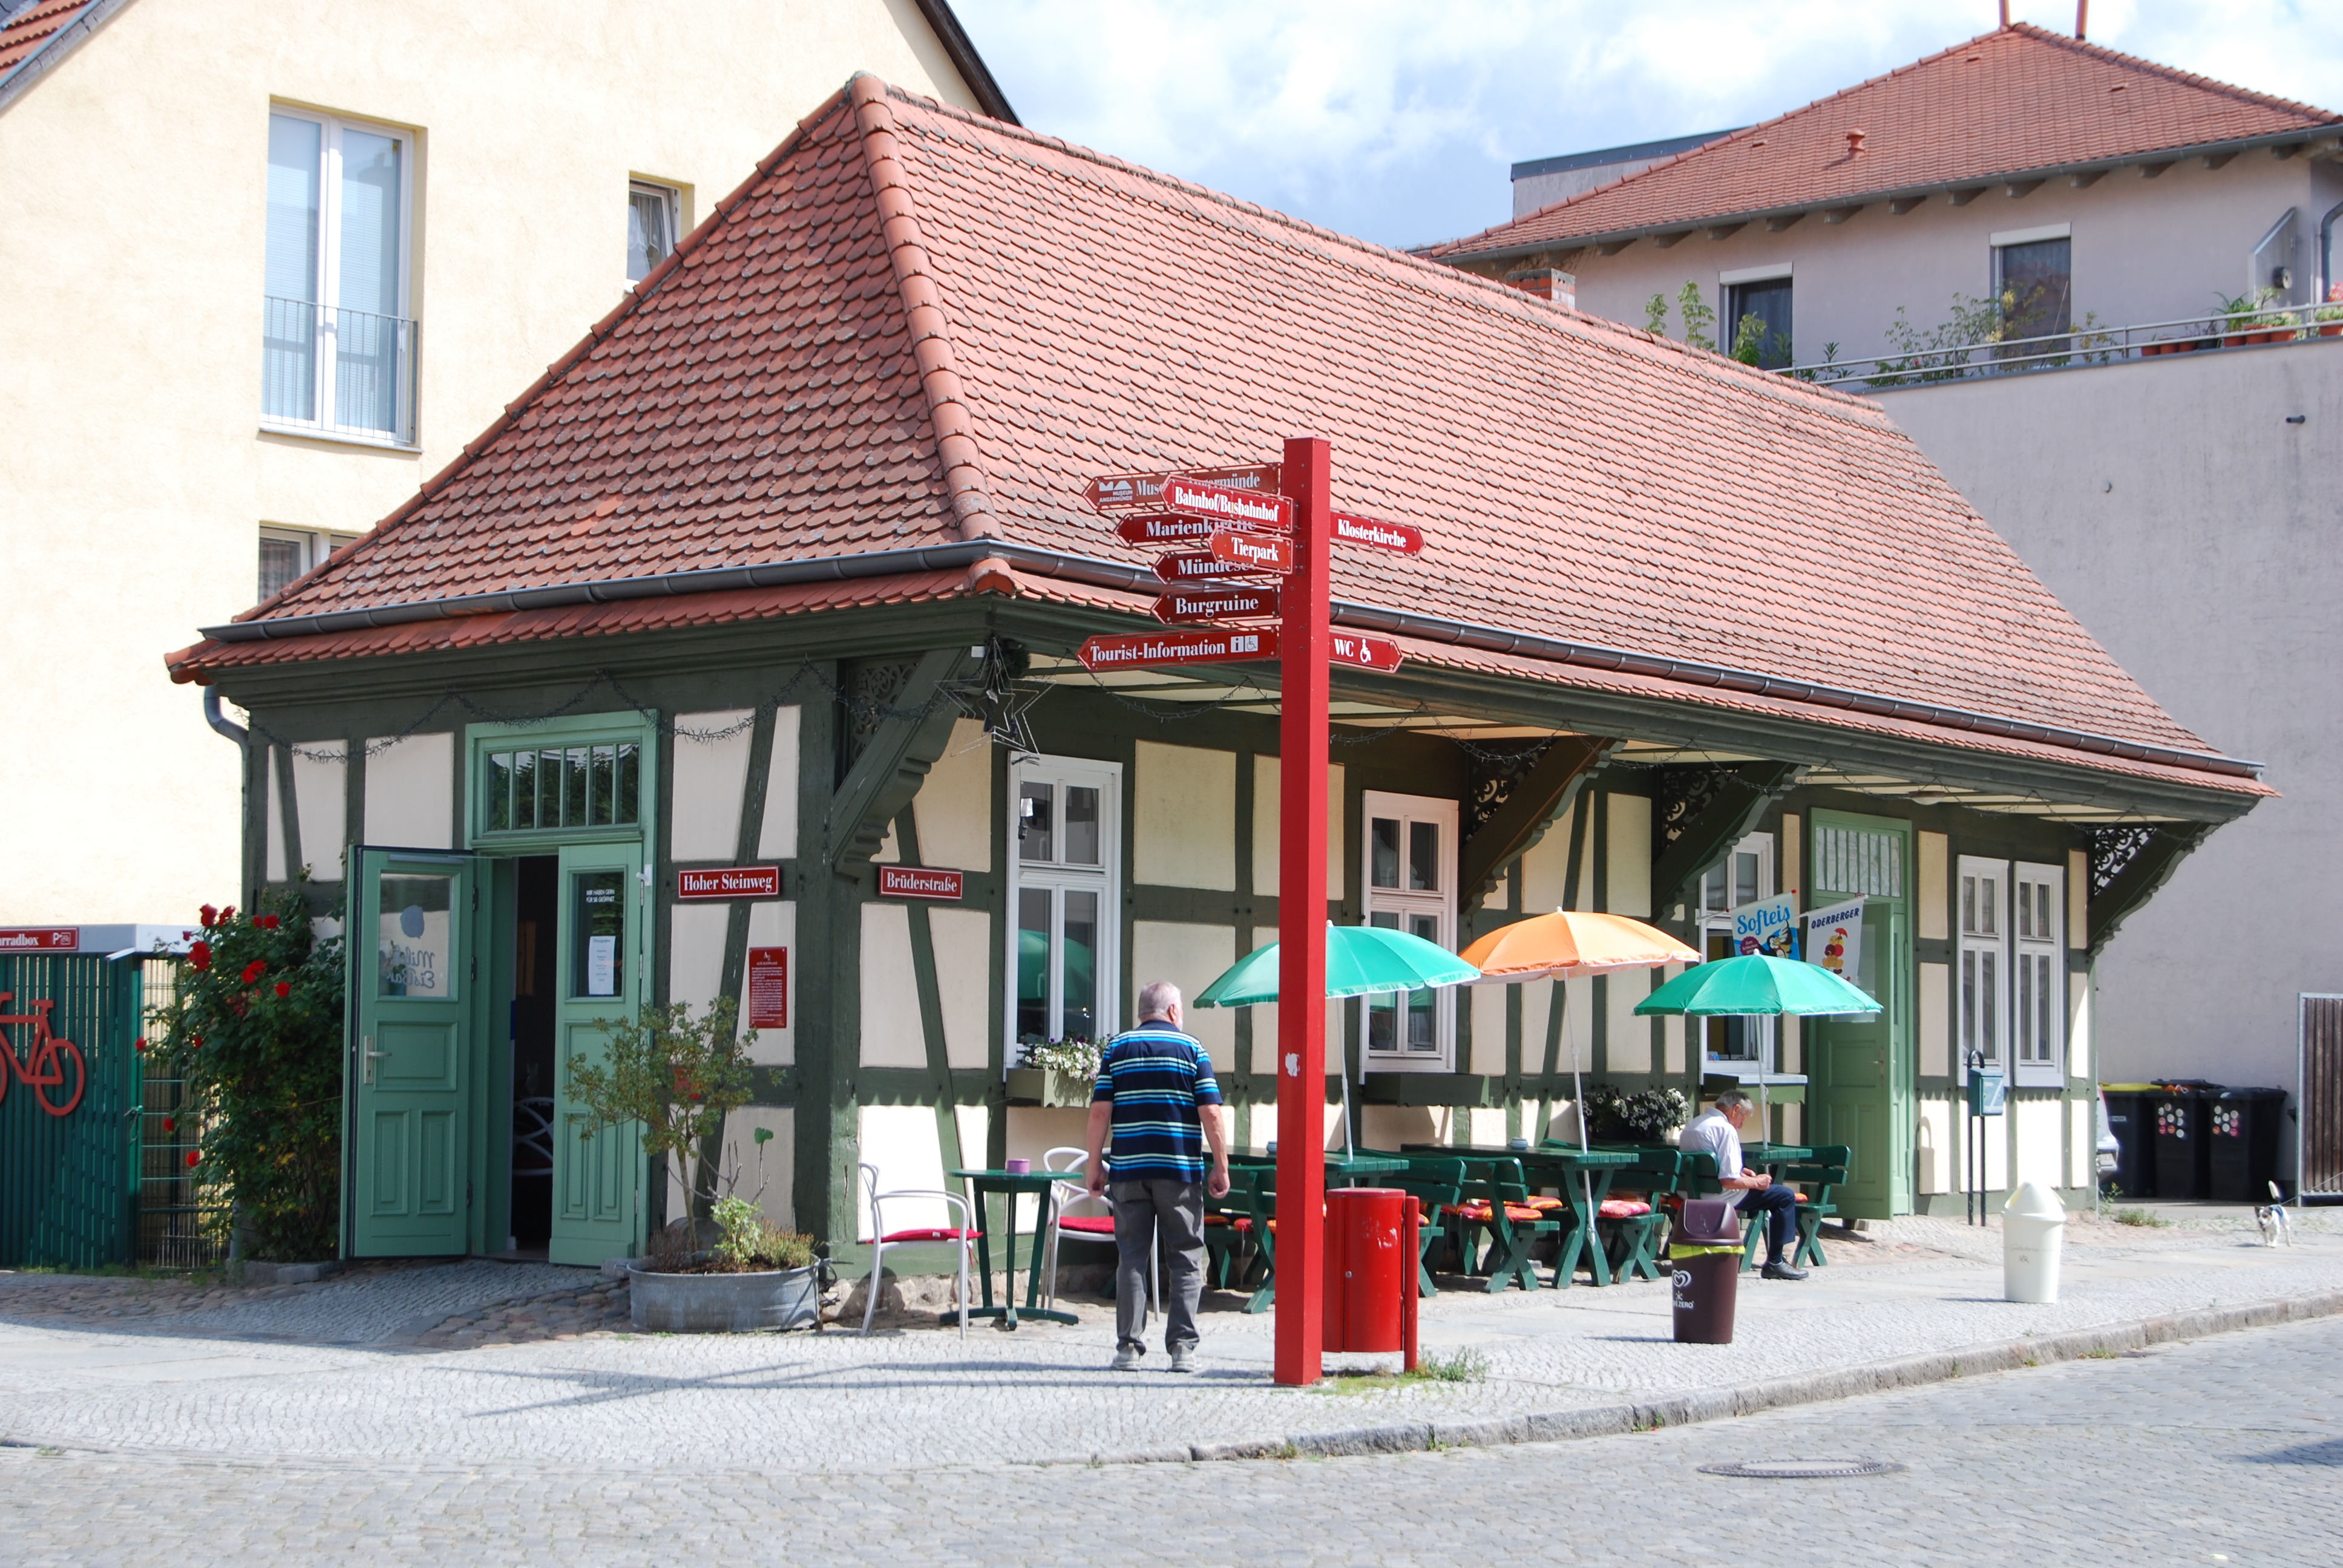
963, 941
1264, 1034
777, 836
321, 798
1486, 1125
273, 829
901, 1142
710, 778
1933, 908
954, 806
892, 1033
410, 793
1997, 1149
1487, 1003
1391, 1126
1627, 1040
133, 176
1627, 880
2082, 1143
773, 923
1265, 826
1935, 1148
1183, 817
1191, 956
2081, 1038
2041, 1141
695, 954
1935, 1020
2192, 530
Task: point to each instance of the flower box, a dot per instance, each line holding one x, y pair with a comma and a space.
1048, 1086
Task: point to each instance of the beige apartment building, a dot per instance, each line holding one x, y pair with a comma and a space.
266, 269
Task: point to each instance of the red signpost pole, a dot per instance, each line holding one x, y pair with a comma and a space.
1306, 645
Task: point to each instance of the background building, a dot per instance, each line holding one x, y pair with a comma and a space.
266, 269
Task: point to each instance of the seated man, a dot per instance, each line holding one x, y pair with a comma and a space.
1717, 1131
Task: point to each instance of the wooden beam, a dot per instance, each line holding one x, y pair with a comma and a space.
1741, 797
1550, 787
892, 764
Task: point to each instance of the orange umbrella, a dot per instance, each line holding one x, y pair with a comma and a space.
1571, 944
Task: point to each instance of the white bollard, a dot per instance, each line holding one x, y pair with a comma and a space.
2033, 1237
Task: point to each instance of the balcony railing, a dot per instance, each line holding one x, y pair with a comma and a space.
337, 372
2086, 345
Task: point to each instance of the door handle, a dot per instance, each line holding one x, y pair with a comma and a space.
372, 1056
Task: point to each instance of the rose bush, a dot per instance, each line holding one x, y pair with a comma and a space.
256, 1034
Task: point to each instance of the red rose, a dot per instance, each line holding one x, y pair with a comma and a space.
140, 1043
284, 988
170, 1124
228, 914
192, 1158
195, 1043
254, 970
211, 917
200, 955
270, 922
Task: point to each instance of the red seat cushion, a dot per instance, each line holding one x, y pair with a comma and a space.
1089, 1224
1478, 1212
1623, 1208
1804, 1199
936, 1233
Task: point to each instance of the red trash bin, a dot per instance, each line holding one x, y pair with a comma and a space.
1370, 1271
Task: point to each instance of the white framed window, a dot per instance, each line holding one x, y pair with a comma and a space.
286, 553
1743, 876
1983, 1002
338, 341
654, 222
1410, 878
1065, 877
2039, 993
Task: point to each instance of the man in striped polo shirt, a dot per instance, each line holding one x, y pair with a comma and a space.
1155, 1091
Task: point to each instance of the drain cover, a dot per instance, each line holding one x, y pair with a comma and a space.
1802, 1469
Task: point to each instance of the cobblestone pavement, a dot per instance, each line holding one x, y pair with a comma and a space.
2224, 1451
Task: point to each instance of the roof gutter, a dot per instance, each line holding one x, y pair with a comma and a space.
967, 61
1097, 573
1898, 193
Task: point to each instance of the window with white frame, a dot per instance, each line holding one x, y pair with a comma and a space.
1410, 886
1984, 1000
337, 346
1065, 842
286, 553
2040, 955
1743, 876
654, 222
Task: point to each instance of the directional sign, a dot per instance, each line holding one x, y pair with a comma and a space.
1197, 567
1254, 552
1356, 530
1141, 648
1238, 508
1125, 492
1234, 602
1164, 528
1365, 652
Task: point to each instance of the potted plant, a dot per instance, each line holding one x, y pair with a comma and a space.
2329, 316
1056, 1072
723, 1267
1646, 1117
2243, 317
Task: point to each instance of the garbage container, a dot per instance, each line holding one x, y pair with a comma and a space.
2131, 1117
2182, 1151
1704, 1270
1366, 1268
2242, 1136
2032, 1238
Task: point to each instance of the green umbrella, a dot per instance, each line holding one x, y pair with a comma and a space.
1359, 961
1754, 985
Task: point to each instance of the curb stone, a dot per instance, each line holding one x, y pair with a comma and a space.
1719, 1404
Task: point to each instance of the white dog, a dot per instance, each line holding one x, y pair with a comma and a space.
2272, 1219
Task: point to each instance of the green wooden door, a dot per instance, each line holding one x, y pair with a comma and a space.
408, 1193
1860, 1068
598, 1178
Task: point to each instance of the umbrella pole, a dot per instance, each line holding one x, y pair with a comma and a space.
1578, 1086
1347, 1151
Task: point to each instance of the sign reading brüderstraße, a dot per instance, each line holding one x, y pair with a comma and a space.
1238, 509
1351, 529
40, 939
1138, 650
730, 882
920, 882
1235, 602
1123, 492
1363, 652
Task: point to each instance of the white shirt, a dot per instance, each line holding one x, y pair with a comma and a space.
1711, 1134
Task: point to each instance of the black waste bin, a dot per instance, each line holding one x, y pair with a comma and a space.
2242, 1131
2183, 1152
2131, 1117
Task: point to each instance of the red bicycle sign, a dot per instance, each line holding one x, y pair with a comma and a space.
55, 1072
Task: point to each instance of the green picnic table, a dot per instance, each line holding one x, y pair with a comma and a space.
1560, 1167
1043, 1185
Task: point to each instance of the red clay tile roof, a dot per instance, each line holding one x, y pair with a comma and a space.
23, 34
2009, 102
772, 397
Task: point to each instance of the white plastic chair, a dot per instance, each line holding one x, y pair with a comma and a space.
963, 1235
1087, 1227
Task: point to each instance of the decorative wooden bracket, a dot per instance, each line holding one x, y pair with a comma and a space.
2146, 864
1542, 795
891, 765
1738, 800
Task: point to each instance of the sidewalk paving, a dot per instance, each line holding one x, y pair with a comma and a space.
344, 1370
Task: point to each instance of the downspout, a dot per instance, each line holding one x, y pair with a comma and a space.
220, 721
2327, 250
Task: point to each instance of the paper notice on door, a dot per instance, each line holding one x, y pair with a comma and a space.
601, 965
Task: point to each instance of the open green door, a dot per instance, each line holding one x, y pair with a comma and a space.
407, 1192
597, 1179
1860, 1068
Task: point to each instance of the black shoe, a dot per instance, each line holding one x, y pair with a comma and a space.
1783, 1271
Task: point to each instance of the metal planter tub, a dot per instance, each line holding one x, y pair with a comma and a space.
724, 1303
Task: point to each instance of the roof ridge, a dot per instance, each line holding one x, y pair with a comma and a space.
957, 452
2171, 72
651, 283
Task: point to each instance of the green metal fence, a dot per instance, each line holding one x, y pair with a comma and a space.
182, 1225
69, 1183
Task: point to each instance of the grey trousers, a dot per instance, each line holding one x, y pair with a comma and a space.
1144, 1211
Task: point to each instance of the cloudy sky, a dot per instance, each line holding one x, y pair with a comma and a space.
1398, 120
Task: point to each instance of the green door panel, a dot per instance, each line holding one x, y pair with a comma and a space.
1860, 1068
409, 1195
598, 1178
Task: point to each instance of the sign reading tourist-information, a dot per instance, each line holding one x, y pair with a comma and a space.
730, 882
1238, 509
1145, 648
920, 882
1365, 652
40, 939
1253, 552
1350, 530
1230, 603
1121, 492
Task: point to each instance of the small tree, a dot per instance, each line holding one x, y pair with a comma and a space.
254, 1032
678, 1079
